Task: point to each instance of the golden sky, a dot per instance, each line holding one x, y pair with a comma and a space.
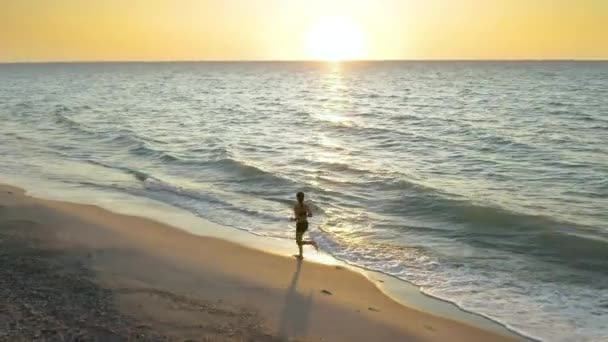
90, 30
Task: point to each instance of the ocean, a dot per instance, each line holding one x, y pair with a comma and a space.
483, 183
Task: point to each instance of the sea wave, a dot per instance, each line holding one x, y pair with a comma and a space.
63, 118
491, 226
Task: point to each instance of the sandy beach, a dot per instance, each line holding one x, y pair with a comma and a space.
71, 271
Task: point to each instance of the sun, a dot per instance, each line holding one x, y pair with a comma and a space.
335, 39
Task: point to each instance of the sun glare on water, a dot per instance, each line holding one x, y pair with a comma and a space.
336, 39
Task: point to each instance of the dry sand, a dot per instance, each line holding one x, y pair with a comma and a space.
79, 272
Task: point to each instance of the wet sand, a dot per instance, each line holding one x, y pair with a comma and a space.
78, 271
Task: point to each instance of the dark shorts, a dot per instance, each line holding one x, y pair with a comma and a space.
301, 228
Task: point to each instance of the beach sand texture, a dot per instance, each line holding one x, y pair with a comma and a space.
70, 271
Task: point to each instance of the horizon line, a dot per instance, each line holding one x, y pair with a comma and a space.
307, 60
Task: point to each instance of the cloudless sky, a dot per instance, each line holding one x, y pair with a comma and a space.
84, 30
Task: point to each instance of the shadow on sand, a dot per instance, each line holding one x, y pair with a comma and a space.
295, 314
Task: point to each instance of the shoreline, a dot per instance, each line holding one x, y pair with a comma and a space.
114, 225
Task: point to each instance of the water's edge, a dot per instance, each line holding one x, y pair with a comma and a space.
400, 290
